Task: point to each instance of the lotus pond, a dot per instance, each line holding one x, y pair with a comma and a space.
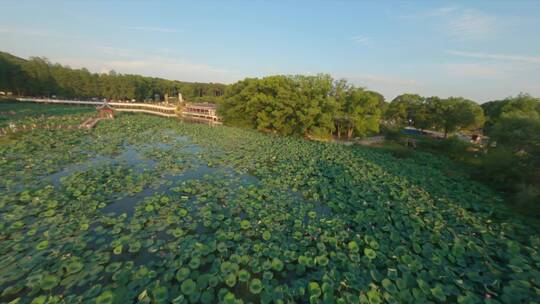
151, 210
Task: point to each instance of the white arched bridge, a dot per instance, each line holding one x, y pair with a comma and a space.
202, 111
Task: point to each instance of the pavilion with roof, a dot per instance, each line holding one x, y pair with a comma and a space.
105, 110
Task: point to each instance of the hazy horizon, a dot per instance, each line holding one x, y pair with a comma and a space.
482, 51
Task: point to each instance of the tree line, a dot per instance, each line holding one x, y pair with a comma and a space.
321, 106
39, 77
433, 113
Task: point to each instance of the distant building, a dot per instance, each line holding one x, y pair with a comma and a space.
105, 111
202, 110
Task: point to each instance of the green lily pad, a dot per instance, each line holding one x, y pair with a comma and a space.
134, 247
39, 300
182, 274
188, 287
370, 253
118, 249
243, 275
255, 286
438, 293
49, 282
245, 224
277, 264
230, 280
353, 246
314, 289
161, 294
106, 297
42, 245
74, 267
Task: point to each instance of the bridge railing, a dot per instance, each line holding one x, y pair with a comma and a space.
161, 110
120, 106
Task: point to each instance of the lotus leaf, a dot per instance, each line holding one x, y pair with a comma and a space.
39, 300
374, 296
207, 297
438, 293
268, 275
277, 264
194, 263
230, 280
255, 286
245, 224
42, 245
118, 250
188, 287
49, 282
161, 294
353, 246
134, 247
74, 267
370, 253
322, 260
130, 210
106, 297
243, 275
314, 289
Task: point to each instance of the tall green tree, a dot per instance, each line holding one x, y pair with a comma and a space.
403, 108
524, 106
359, 113
456, 114
426, 114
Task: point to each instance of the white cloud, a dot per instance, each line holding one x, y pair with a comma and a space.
460, 23
441, 11
471, 24
475, 70
435, 12
155, 63
157, 66
500, 57
151, 29
509, 71
361, 39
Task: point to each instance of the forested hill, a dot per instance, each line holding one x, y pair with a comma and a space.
39, 77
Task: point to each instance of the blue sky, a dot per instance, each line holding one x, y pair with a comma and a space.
481, 50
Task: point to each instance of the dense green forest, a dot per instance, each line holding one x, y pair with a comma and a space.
39, 77
446, 115
303, 105
322, 107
